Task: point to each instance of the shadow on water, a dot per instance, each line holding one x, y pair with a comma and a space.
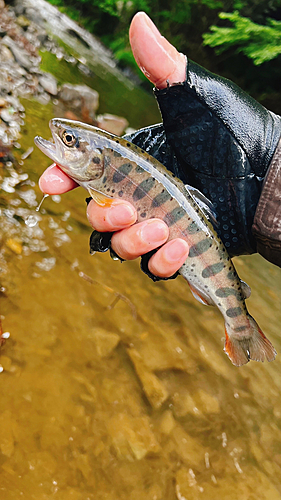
114, 386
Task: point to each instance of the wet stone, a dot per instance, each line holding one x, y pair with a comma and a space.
15, 245
105, 341
132, 437
154, 389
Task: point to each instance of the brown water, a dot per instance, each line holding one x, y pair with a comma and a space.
114, 387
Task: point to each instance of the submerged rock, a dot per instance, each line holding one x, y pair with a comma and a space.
105, 341
81, 100
154, 389
132, 437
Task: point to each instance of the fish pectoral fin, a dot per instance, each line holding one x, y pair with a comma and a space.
100, 198
246, 290
201, 295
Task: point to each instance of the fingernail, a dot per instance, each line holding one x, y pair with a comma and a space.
154, 231
176, 250
121, 214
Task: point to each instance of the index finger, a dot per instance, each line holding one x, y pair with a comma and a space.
55, 181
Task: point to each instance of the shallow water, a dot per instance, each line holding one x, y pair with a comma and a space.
114, 387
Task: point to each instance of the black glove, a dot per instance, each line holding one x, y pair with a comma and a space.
218, 139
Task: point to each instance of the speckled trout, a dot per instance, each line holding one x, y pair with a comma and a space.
110, 167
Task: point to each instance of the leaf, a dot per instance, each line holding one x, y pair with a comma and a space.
260, 43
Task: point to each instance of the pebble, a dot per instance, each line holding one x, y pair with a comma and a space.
14, 245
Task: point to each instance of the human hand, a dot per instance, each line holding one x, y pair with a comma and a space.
160, 62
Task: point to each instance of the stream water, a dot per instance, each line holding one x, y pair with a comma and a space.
114, 387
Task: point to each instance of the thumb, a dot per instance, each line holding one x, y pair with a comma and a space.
155, 56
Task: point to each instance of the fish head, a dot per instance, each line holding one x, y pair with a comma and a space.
76, 149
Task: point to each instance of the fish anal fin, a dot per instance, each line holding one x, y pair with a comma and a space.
200, 295
249, 344
100, 198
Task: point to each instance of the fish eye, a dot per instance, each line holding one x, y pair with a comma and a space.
69, 138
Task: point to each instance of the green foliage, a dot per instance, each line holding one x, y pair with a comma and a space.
258, 42
239, 39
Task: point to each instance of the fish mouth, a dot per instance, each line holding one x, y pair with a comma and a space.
47, 147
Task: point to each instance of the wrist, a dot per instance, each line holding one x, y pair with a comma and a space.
267, 221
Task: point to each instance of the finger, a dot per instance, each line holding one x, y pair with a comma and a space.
169, 258
55, 181
140, 238
155, 56
118, 215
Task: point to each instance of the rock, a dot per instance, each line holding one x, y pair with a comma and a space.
112, 123
5, 54
184, 404
167, 423
154, 389
7, 115
43, 38
81, 100
188, 448
19, 9
23, 22
15, 245
21, 56
132, 437
105, 342
49, 83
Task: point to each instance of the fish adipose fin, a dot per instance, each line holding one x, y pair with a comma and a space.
253, 345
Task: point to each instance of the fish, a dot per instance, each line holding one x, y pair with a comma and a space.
110, 167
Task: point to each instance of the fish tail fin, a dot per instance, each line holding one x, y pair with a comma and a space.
249, 344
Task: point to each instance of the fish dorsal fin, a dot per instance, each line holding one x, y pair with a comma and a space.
100, 198
204, 203
246, 290
200, 295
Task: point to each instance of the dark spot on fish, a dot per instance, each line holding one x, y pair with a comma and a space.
120, 194
128, 144
122, 172
104, 180
240, 328
113, 191
143, 188
96, 160
108, 189
231, 275
226, 292
212, 270
174, 216
233, 312
200, 247
160, 199
192, 228
143, 214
